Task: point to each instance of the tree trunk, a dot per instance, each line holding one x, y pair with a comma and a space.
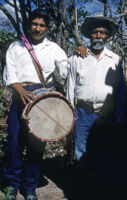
59, 23
105, 7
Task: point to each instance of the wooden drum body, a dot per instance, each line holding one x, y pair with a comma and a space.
49, 116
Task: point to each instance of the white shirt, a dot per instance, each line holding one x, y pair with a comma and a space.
93, 80
20, 68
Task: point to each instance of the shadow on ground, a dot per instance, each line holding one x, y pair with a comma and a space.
105, 175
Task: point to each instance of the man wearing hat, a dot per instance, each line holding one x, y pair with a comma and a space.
94, 85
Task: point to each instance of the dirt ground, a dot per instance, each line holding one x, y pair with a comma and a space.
55, 183
48, 192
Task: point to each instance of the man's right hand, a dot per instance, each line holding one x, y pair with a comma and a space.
24, 94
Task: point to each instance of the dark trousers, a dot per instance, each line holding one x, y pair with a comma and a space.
20, 173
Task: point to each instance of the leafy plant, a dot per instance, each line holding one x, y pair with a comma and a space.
2, 128
2, 109
5, 39
2, 138
7, 191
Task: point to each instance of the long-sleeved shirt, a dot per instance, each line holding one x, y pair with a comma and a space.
19, 65
93, 80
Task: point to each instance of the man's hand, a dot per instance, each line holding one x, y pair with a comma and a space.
81, 51
24, 95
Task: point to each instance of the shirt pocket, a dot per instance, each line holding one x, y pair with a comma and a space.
80, 79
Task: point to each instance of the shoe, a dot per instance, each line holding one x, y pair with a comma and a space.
30, 196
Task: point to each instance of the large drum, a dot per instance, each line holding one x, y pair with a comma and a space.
50, 118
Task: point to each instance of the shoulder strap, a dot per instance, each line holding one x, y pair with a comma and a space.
36, 62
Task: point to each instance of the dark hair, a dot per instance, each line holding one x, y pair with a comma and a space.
38, 13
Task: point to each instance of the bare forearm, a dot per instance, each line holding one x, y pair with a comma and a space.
24, 94
17, 87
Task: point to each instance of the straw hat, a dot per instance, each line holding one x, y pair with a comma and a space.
98, 20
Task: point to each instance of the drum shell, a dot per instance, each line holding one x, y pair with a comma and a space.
59, 145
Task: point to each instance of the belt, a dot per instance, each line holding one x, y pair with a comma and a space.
87, 106
49, 85
28, 84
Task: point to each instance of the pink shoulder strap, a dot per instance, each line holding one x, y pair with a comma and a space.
31, 50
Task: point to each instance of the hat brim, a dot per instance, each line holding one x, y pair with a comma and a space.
93, 22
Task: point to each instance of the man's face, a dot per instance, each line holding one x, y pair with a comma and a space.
37, 29
98, 38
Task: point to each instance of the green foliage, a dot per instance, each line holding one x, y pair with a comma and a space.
1, 93
2, 129
7, 191
2, 137
5, 37
2, 109
5, 40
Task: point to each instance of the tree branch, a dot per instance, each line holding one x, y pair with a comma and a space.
65, 8
10, 4
120, 15
9, 16
102, 6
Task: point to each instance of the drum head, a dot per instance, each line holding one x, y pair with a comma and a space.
50, 117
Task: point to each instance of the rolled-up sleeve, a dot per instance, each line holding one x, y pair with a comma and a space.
62, 67
61, 62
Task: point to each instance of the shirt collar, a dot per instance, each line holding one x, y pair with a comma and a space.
105, 51
41, 45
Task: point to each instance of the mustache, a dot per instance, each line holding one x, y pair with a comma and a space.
97, 41
97, 44
36, 33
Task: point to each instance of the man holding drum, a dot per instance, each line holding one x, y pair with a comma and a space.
21, 76
94, 87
